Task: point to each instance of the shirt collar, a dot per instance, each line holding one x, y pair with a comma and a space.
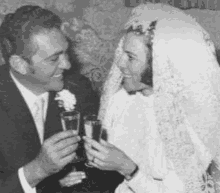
29, 97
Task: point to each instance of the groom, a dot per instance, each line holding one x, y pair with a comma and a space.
34, 151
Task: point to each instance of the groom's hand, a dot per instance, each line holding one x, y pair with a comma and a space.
56, 152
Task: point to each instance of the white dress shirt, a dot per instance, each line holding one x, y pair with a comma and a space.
30, 99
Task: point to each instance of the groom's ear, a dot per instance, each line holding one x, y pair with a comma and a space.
18, 64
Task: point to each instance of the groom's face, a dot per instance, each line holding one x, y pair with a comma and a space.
136, 62
50, 61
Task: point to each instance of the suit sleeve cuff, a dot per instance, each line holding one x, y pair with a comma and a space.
25, 185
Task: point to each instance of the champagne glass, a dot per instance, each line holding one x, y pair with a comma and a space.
93, 129
71, 121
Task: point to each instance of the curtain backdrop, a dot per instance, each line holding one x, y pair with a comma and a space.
94, 27
185, 4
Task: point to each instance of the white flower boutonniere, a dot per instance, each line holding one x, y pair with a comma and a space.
66, 99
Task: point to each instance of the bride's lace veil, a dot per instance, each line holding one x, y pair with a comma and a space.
113, 81
186, 86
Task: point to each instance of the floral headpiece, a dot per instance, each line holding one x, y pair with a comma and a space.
149, 32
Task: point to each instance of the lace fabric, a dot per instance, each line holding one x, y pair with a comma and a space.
113, 82
186, 80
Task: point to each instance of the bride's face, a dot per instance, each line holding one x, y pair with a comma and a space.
136, 62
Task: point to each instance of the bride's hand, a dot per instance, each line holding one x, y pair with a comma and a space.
106, 156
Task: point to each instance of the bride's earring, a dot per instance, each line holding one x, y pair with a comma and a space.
18, 64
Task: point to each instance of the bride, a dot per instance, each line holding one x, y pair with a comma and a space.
160, 105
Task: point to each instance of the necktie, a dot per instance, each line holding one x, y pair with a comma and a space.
39, 117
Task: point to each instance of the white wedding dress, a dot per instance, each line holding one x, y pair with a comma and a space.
132, 128
173, 135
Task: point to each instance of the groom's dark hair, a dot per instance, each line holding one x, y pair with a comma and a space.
18, 28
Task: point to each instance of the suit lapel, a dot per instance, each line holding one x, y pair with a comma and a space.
22, 131
53, 122
13, 103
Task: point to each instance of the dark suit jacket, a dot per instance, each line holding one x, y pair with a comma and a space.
19, 141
